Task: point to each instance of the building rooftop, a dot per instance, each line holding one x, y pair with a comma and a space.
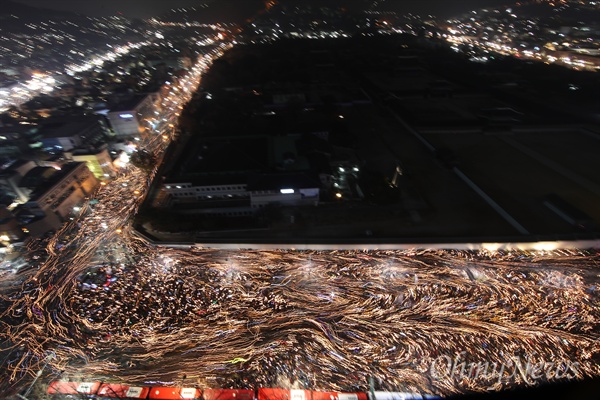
284, 180
42, 179
129, 103
67, 127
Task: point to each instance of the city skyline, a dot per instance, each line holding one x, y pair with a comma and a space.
147, 9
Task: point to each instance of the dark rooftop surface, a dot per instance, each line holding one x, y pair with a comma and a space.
470, 167
128, 104
67, 126
281, 181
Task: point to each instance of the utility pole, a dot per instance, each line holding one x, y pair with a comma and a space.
48, 358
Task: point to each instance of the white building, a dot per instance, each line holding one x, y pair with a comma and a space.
244, 195
131, 117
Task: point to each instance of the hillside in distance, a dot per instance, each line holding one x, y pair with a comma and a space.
229, 11
11, 9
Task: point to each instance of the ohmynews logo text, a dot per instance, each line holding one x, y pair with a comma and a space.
515, 368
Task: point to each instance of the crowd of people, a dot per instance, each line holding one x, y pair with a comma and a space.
332, 319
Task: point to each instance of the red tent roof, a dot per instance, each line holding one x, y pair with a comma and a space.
62, 387
283, 394
338, 396
228, 394
174, 393
119, 391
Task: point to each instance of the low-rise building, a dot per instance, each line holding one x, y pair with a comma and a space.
53, 193
97, 160
237, 176
59, 134
11, 177
132, 116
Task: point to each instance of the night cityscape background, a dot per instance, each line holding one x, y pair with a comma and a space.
148, 9
299, 199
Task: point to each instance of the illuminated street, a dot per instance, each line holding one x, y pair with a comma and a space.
311, 319
325, 320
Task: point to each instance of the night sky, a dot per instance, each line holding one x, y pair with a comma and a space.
148, 8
